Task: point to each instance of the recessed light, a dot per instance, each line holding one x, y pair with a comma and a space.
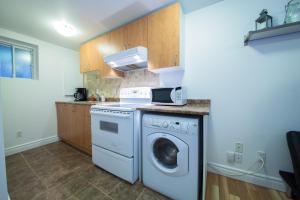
64, 28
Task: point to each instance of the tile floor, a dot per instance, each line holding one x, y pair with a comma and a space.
58, 171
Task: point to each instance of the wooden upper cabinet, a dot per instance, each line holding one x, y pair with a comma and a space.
159, 32
164, 37
104, 48
117, 40
84, 58
137, 33
92, 57
89, 58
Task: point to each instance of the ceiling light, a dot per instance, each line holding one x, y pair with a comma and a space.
65, 29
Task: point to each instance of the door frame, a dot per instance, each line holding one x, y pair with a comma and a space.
3, 179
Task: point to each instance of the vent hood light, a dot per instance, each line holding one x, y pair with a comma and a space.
136, 57
112, 63
64, 28
131, 59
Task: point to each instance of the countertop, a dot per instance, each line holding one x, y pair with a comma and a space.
194, 107
82, 102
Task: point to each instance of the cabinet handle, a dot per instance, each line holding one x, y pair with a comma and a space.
175, 60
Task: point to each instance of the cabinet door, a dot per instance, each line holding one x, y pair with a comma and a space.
118, 39
78, 125
89, 58
84, 58
61, 126
94, 55
87, 141
137, 33
163, 37
74, 125
104, 48
64, 121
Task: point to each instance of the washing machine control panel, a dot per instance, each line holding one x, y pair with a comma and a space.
179, 126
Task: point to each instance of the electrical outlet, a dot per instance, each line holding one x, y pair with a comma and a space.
262, 155
19, 134
238, 157
230, 156
239, 147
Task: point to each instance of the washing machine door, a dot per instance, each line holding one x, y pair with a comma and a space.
168, 154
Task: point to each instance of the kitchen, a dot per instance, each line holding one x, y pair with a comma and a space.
166, 103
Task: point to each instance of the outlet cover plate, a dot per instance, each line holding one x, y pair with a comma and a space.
19, 134
230, 156
262, 154
239, 147
238, 157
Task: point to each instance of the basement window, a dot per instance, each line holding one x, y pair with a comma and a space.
18, 59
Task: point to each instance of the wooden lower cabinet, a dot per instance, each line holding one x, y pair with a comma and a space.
74, 125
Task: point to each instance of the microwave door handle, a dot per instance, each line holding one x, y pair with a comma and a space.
173, 95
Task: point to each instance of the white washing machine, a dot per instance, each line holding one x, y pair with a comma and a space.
172, 162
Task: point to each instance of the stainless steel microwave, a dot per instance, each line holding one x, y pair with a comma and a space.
169, 96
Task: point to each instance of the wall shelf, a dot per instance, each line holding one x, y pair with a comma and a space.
272, 32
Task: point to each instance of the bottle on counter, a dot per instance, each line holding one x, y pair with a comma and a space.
98, 97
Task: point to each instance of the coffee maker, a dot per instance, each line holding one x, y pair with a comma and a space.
80, 94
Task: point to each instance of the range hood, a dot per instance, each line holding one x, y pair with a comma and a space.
131, 59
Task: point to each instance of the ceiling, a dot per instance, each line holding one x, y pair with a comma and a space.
90, 17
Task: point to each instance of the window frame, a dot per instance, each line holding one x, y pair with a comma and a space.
25, 46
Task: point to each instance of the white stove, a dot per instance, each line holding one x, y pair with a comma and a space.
119, 106
116, 133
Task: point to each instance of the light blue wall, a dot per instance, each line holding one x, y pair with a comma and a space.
255, 89
3, 185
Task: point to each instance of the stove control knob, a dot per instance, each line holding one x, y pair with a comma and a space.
165, 124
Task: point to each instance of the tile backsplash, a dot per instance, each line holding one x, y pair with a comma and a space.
111, 87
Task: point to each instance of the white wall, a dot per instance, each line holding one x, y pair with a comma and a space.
254, 90
3, 184
29, 105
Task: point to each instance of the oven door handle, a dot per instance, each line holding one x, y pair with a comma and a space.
111, 114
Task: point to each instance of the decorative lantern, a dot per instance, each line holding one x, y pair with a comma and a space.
292, 12
264, 20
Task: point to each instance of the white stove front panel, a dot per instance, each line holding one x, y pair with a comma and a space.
114, 131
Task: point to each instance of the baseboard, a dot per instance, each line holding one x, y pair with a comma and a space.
30, 145
257, 179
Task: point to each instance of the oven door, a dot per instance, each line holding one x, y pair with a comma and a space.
113, 130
